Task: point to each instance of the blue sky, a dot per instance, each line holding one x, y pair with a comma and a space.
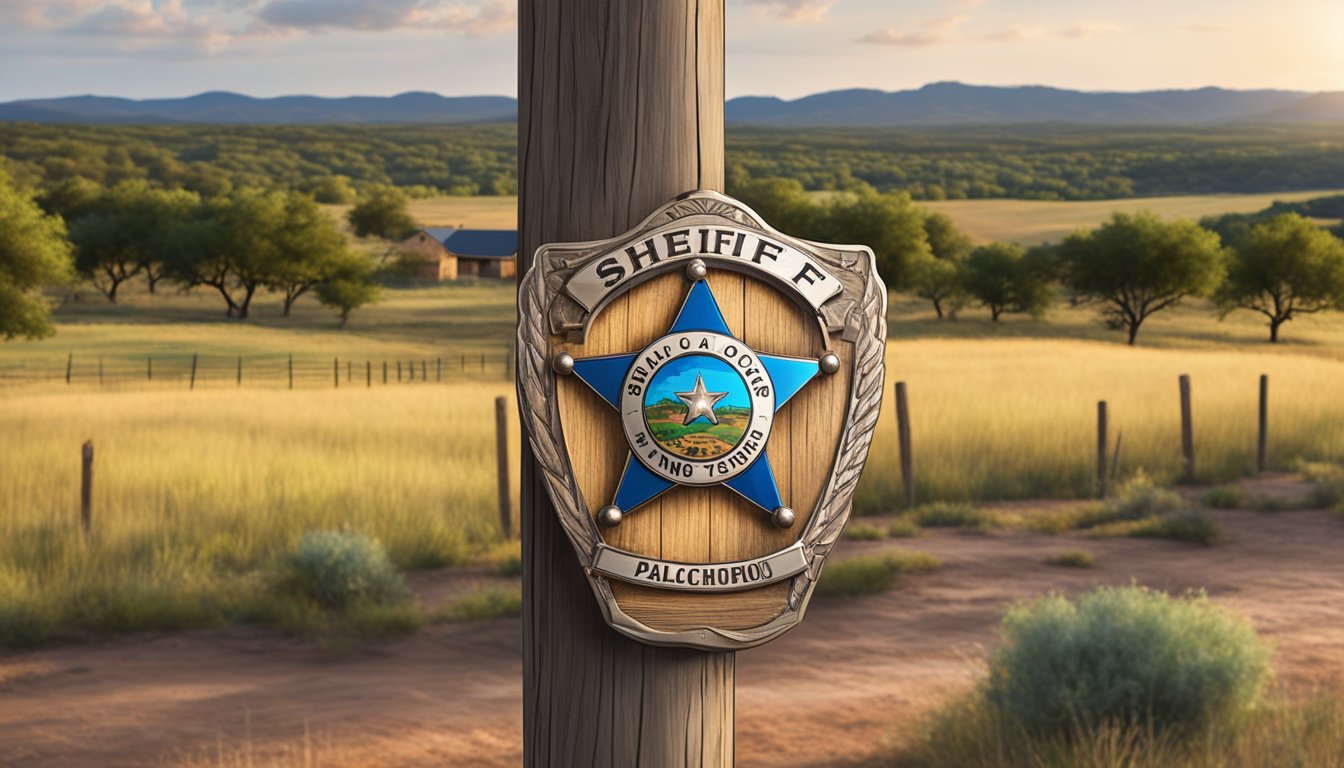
789, 48
679, 376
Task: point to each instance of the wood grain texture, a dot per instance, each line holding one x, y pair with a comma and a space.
620, 109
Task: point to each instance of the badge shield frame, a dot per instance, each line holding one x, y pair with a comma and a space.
790, 299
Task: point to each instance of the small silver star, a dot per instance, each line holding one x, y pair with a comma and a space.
700, 403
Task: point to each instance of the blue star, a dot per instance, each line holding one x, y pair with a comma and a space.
786, 376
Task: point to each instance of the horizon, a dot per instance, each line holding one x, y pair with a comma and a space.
142, 49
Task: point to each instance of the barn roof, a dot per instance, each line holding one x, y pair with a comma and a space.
440, 233
482, 243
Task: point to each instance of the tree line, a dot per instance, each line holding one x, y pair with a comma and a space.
1280, 264
1043, 162
235, 245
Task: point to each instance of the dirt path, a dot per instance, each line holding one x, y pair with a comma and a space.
855, 670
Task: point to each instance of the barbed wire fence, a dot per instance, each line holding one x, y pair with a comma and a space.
264, 370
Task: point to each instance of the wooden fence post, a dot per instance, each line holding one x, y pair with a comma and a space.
464, 361
903, 437
69, 363
336, 372
1187, 430
502, 466
424, 370
349, 369
1102, 442
149, 368
1262, 443
86, 488
482, 362
291, 370
240, 370
438, 369
1115, 457
384, 371
398, 371
192, 385
100, 371
368, 374
604, 140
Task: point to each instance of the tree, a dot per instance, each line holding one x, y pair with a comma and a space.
382, 212
231, 244
350, 286
781, 202
1138, 264
122, 232
308, 250
1285, 267
1001, 277
33, 253
938, 279
333, 190
890, 224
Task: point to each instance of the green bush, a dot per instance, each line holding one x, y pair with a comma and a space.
1223, 497
338, 570
1125, 656
903, 528
1189, 525
1327, 492
871, 573
946, 514
484, 603
1074, 559
1137, 498
863, 532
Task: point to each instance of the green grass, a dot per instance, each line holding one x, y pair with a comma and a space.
868, 574
1073, 559
482, 604
1189, 525
863, 532
953, 515
903, 528
1223, 497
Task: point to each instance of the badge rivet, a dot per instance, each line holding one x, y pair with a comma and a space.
829, 363
563, 364
782, 517
696, 270
610, 516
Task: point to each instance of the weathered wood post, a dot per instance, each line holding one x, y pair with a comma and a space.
149, 368
69, 363
100, 371
291, 371
1262, 443
336, 372
398, 371
192, 384
1187, 429
502, 465
424, 370
620, 109
86, 488
368, 374
384, 371
903, 435
240, 370
438, 369
1103, 423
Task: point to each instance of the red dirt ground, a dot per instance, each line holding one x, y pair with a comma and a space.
859, 671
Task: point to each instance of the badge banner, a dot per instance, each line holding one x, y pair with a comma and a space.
700, 577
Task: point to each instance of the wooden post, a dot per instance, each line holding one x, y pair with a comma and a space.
192, 385
336, 372
1262, 443
464, 360
291, 370
384, 371
410, 370
438, 369
502, 466
1187, 429
86, 488
424, 370
482, 362
69, 363
349, 371
1115, 456
149, 368
100, 371
605, 138
240, 370
368, 374
1102, 424
903, 434
398, 371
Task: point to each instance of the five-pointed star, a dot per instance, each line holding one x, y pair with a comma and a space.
700, 312
699, 402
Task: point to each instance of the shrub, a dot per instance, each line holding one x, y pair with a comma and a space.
1188, 525
1125, 656
1222, 497
1137, 498
863, 532
1328, 492
945, 514
484, 603
337, 570
1074, 559
872, 573
903, 528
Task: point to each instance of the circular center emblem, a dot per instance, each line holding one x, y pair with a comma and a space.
697, 407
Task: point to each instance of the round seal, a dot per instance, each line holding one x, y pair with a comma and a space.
697, 407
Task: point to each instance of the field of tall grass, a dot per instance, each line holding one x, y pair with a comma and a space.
198, 495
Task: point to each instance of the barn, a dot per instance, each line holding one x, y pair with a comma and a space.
448, 253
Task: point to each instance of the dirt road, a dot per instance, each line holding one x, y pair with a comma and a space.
854, 673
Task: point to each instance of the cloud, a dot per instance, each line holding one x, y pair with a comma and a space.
213, 24
932, 32
792, 11
948, 29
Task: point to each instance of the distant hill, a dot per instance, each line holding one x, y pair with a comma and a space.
934, 104
233, 108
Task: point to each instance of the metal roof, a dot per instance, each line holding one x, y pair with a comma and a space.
440, 233
482, 243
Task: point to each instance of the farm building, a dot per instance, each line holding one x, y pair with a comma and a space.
446, 253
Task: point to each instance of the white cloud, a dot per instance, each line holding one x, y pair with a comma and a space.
932, 32
792, 11
949, 29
